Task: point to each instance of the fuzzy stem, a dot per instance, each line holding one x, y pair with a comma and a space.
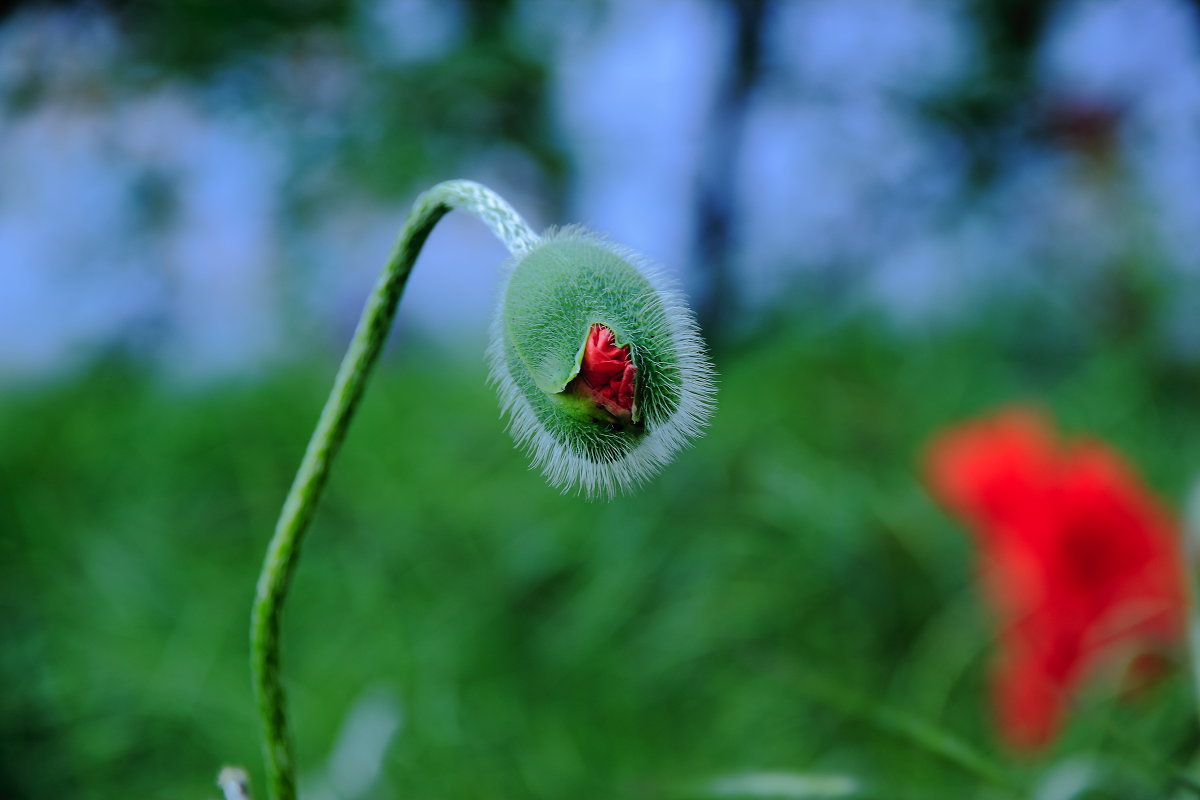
348, 387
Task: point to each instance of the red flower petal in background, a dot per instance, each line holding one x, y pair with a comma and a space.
1077, 558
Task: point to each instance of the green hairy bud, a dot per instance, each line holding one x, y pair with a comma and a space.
554, 295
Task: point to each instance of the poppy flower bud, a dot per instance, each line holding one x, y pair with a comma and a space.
598, 362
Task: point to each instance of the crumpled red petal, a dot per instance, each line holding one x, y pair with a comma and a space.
608, 373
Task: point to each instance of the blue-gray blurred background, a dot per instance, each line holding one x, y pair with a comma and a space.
211, 187
889, 214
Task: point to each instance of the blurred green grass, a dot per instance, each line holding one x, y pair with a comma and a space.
784, 598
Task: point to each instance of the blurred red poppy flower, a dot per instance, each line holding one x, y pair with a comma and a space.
1079, 561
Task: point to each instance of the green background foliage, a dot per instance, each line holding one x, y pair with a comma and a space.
785, 597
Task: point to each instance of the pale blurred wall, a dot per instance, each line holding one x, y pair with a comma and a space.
155, 217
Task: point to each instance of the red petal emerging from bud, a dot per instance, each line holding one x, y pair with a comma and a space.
606, 375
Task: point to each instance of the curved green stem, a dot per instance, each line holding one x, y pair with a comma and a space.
348, 387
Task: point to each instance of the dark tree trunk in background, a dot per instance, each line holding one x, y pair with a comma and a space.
718, 300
